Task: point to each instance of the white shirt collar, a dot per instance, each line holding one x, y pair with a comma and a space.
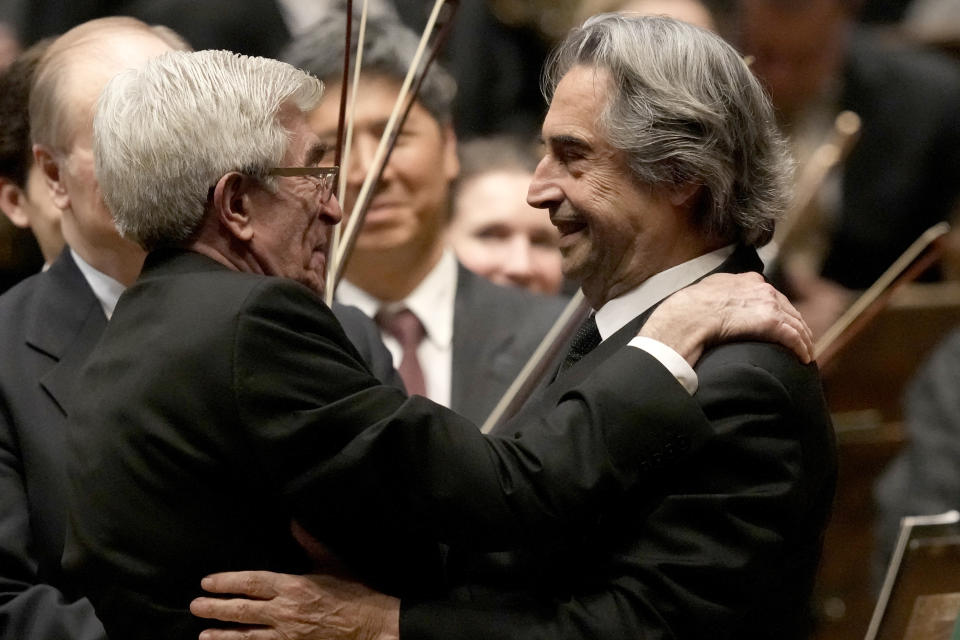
616, 313
106, 289
432, 301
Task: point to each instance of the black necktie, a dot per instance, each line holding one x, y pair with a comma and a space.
585, 340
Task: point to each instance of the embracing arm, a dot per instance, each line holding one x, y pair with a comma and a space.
732, 543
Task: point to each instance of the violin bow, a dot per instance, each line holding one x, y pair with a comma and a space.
342, 156
401, 108
539, 363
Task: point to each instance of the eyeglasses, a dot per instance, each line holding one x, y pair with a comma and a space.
322, 178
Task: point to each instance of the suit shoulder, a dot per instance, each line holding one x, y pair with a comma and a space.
759, 359
514, 302
14, 301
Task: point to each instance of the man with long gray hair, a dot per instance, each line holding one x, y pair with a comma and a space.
663, 164
224, 406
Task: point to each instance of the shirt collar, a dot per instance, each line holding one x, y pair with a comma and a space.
106, 289
432, 301
616, 313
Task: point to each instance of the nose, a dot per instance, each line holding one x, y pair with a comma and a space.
517, 263
544, 191
330, 211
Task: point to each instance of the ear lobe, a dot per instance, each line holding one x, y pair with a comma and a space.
685, 195
11, 203
451, 162
50, 169
231, 206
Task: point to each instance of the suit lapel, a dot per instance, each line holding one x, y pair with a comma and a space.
65, 323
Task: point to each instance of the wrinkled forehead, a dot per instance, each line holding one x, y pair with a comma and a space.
304, 147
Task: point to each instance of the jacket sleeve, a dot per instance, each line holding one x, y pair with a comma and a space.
351, 455
725, 540
30, 609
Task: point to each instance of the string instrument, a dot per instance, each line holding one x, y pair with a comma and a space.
918, 257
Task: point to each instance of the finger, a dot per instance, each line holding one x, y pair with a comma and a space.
240, 610
254, 584
239, 634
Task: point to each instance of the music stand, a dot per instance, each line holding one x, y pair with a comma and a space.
920, 598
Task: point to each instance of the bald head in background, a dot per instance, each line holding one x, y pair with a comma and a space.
50, 323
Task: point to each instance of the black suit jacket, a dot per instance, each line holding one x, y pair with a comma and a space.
495, 330
722, 543
48, 325
219, 405
903, 175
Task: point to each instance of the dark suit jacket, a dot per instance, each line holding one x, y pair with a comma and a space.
722, 543
48, 325
219, 405
495, 329
903, 175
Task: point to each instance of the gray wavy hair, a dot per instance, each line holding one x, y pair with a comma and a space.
164, 134
685, 109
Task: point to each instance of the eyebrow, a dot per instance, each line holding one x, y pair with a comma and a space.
567, 142
315, 154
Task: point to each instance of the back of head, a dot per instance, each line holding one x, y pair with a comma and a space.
164, 135
686, 110
15, 83
74, 68
389, 49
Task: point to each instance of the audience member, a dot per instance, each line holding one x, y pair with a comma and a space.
663, 164
471, 337
924, 478
24, 198
903, 174
50, 322
493, 230
229, 401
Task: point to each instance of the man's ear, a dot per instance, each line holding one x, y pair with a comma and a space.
685, 195
451, 162
50, 168
231, 205
11, 203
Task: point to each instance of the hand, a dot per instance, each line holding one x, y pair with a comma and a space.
278, 606
724, 307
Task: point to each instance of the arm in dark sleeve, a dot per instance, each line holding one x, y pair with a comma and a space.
30, 609
723, 545
350, 455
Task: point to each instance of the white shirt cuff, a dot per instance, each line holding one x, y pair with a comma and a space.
673, 361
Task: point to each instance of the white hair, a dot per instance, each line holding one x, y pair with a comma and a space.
163, 135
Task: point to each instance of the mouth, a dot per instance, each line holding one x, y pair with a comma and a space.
568, 227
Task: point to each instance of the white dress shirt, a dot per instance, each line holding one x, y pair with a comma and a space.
432, 302
616, 313
106, 289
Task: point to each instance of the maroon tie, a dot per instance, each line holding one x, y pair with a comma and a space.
406, 328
